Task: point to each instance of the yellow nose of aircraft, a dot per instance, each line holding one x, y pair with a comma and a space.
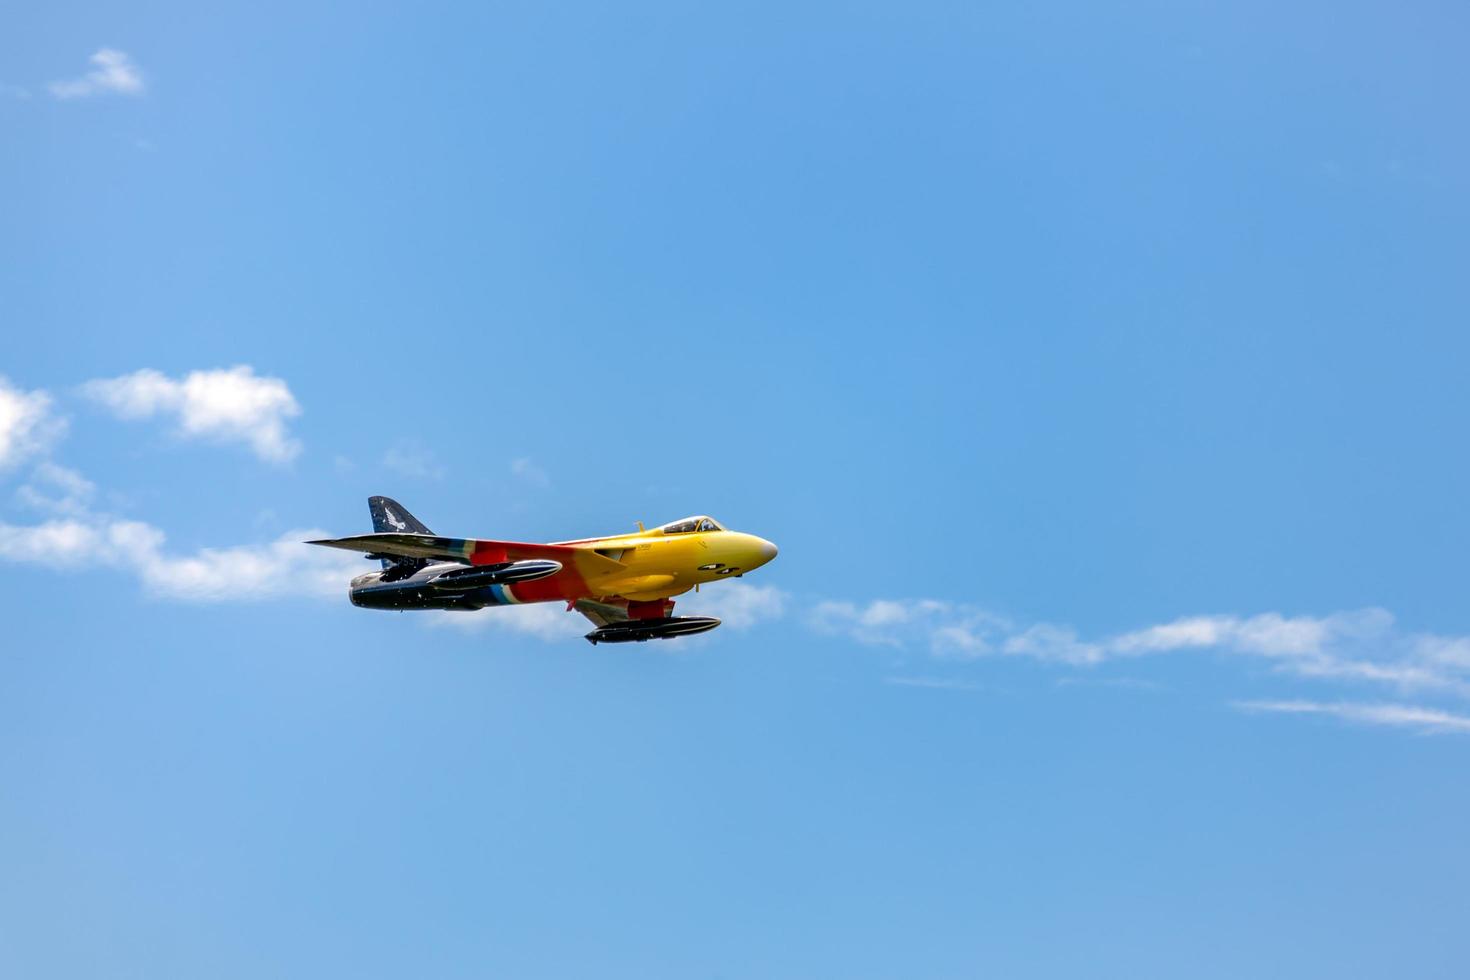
756, 551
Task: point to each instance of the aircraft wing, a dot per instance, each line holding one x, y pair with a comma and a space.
471, 551
601, 613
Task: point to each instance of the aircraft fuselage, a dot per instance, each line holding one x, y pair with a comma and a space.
655, 566
624, 584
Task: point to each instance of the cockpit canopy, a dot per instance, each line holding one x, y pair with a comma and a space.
691, 524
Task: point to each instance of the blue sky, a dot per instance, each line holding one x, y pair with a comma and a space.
1099, 371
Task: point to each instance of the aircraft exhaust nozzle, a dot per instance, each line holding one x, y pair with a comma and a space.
465, 579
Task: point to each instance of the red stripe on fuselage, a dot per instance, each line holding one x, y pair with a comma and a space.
488, 555
565, 584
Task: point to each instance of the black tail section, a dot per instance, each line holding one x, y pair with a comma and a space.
390, 515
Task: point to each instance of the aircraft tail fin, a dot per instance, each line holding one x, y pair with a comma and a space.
389, 515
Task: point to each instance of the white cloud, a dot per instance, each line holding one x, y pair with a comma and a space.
832, 616
1361, 647
228, 405
1192, 632
113, 72
1428, 720
1045, 641
56, 488
1450, 651
283, 568
738, 605
27, 425
58, 544
1267, 635
528, 472
891, 622
543, 620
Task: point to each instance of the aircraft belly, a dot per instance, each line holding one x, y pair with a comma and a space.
660, 593
646, 587
554, 588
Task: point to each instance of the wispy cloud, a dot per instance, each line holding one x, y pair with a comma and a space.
950, 629
545, 621
528, 472
284, 568
1117, 683
57, 489
413, 461
1427, 720
1362, 645
17, 92
889, 622
1047, 641
230, 405
738, 605
113, 73
28, 424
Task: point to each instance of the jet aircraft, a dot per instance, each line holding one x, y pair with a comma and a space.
624, 584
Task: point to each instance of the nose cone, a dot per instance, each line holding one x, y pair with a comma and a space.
746, 552
761, 551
